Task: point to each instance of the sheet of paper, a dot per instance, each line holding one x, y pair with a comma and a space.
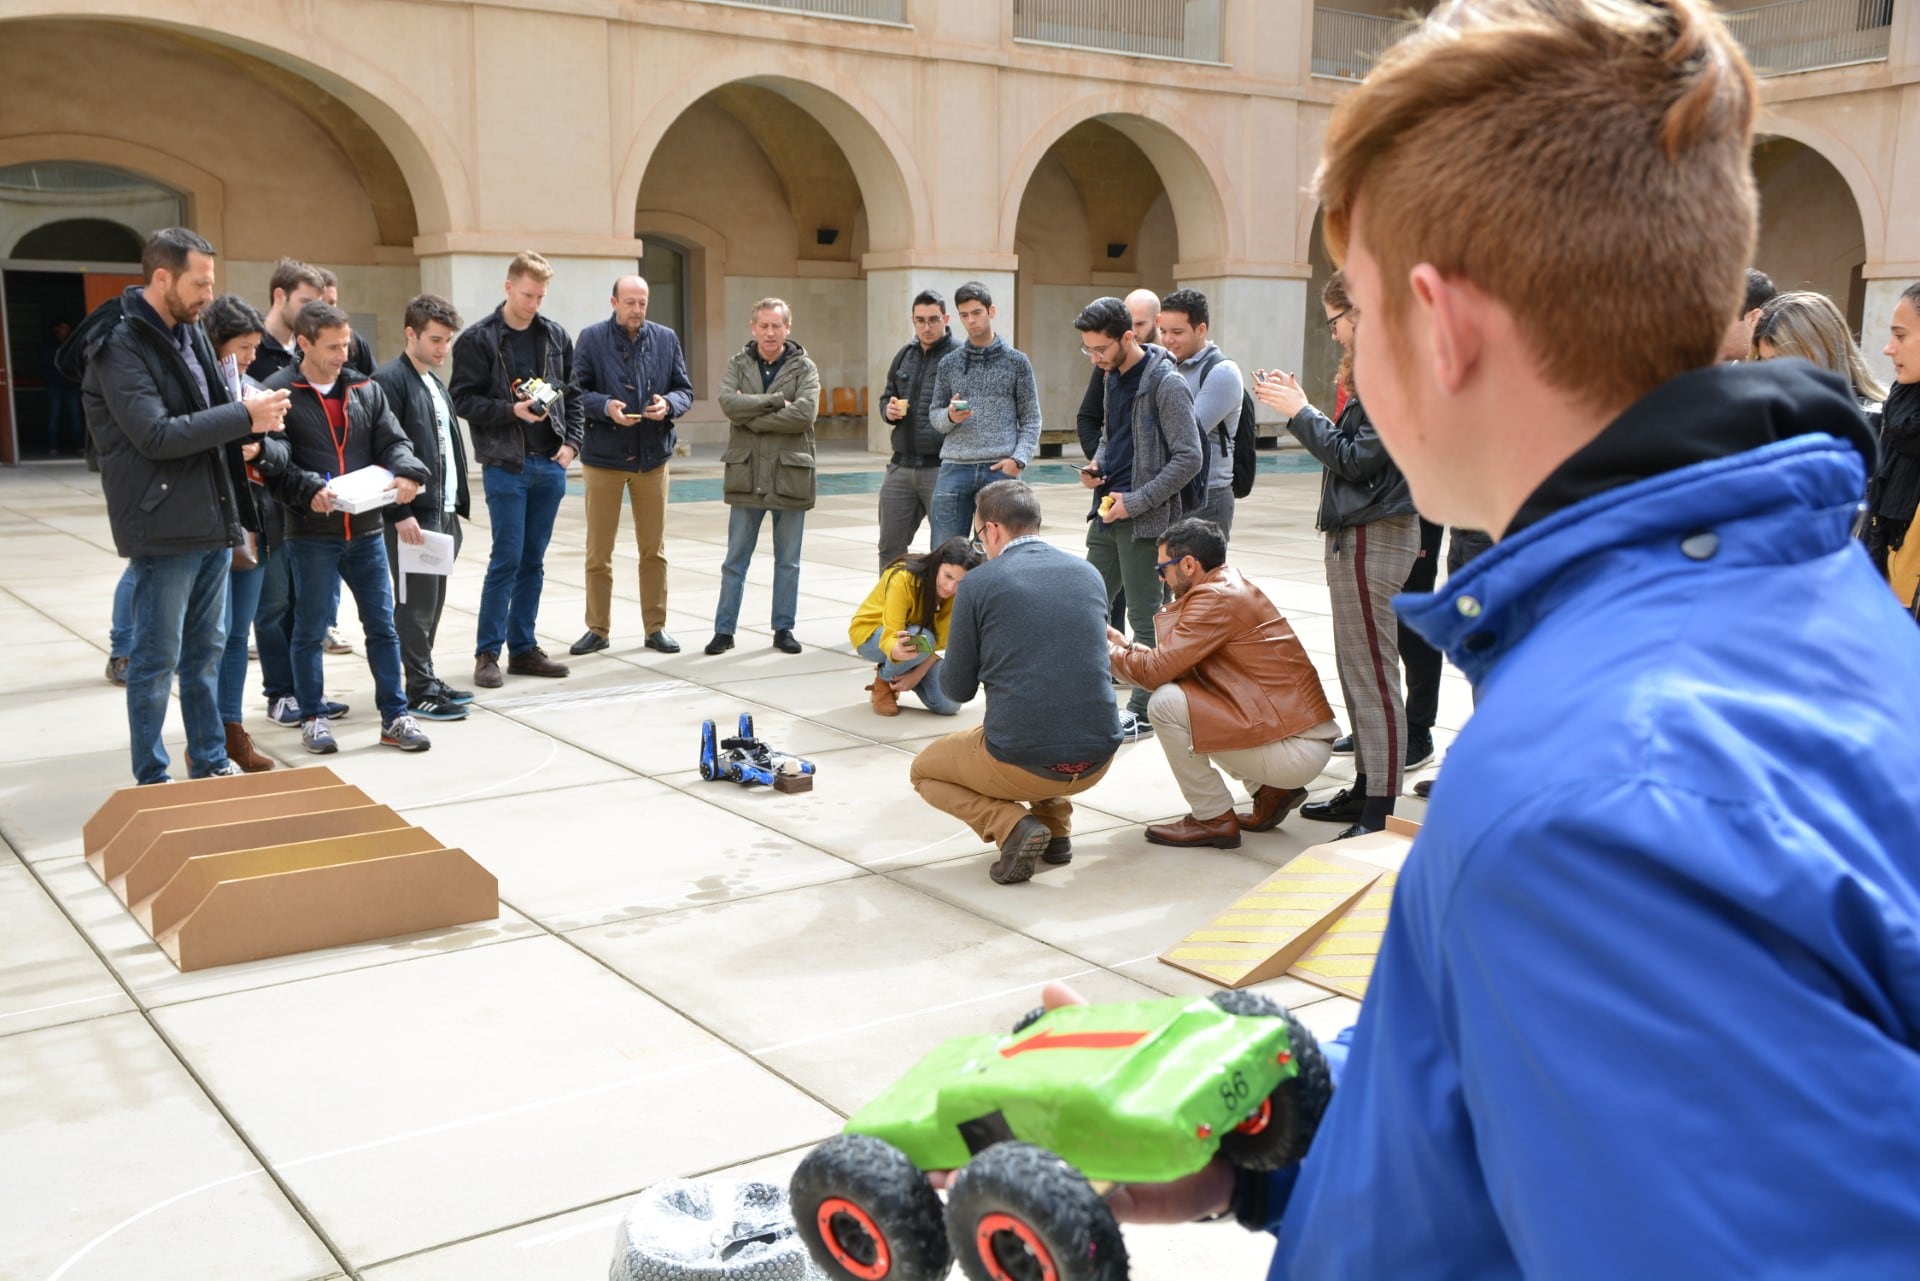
434, 556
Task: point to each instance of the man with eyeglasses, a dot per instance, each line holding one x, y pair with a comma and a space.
1150, 448
906, 495
1232, 688
633, 383
1030, 626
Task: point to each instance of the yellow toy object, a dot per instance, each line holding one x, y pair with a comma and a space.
1106, 505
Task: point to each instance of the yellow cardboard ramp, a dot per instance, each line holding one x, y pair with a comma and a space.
170, 850
1270, 928
331, 906
225, 870
1341, 959
128, 801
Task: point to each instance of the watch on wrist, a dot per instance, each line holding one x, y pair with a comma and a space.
1018, 465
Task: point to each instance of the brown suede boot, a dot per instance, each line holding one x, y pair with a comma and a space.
1221, 833
885, 701
241, 751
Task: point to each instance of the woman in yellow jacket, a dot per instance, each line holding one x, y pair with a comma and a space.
902, 625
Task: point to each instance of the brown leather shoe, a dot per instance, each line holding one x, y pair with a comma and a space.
534, 662
1221, 833
885, 701
486, 671
1270, 805
242, 752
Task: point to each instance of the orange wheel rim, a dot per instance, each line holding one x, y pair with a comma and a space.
830, 1235
1259, 1121
991, 1226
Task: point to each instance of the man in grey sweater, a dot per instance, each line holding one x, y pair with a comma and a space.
1031, 626
986, 405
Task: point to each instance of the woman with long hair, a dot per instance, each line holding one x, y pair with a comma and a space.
235, 329
902, 625
1373, 537
1809, 326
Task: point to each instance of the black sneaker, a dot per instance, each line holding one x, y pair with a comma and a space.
458, 697
1419, 748
432, 707
1344, 806
1343, 746
1059, 850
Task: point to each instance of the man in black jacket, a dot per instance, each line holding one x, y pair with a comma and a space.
338, 423
633, 383
424, 409
524, 453
906, 495
167, 428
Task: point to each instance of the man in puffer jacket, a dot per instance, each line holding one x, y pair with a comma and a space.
337, 423
771, 395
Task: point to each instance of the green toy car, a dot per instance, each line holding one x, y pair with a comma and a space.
1076, 1097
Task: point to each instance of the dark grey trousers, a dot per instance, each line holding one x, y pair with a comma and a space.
418, 621
906, 499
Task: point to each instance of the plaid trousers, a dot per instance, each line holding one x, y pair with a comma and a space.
1366, 566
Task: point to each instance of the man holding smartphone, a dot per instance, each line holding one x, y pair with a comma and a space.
906, 495
987, 406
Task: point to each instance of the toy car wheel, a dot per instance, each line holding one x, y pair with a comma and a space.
1279, 1134
1028, 1019
1019, 1213
867, 1214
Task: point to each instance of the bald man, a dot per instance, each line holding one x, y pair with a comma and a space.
633, 383
1144, 306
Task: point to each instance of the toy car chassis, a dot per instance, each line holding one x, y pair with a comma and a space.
1041, 1122
746, 760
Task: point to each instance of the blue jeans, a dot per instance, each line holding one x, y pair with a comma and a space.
362, 562
120, 639
243, 599
180, 618
743, 533
273, 624
522, 506
953, 498
929, 687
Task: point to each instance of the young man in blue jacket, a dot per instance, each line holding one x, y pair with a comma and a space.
1649, 999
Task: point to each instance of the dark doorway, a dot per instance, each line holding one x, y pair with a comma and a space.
81, 240
46, 409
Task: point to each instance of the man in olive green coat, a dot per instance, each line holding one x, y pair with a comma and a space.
770, 394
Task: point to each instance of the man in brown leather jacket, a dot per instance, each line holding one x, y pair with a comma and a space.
1231, 687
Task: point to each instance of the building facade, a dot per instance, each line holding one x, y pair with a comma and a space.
840, 154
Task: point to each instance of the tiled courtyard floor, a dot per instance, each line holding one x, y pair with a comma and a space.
684, 977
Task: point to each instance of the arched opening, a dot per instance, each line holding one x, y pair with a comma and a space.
1811, 232
746, 196
230, 139
1096, 216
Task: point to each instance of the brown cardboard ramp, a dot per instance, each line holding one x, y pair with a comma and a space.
140, 830
299, 911
128, 801
196, 877
172, 848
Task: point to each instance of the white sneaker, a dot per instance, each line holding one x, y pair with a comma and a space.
335, 643
226, 769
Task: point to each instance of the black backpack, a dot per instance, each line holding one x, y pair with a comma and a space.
71, 360
1245, 435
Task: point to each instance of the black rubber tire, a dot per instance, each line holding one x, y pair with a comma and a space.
1028, 1019
884, 1185
1051, 1200
1298, 1102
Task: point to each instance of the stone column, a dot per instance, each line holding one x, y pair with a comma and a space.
1259, 321
892, 281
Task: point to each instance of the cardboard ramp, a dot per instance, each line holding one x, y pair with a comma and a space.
1320, 918
221, 870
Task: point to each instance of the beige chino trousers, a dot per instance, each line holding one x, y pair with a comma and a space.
605, 486
1285, 762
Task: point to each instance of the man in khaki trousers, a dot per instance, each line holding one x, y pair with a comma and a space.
633, 383
1232, 687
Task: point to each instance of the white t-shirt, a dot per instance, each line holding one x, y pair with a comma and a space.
443, 416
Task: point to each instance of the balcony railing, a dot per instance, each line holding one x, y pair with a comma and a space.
891, 11
1185, 29
1346, 45
1780, 39
1813, 35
